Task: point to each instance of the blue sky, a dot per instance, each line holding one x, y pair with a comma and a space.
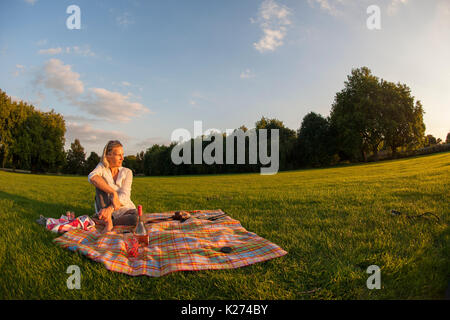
138, 70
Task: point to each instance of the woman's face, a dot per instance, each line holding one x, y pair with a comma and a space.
115, 157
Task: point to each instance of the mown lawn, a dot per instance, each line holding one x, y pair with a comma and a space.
333, 222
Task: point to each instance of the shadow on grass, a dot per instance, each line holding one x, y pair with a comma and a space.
33, 208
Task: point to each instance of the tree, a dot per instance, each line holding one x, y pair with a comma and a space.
48, 141
357, 115
29, 138
369, 112
130, 163
20, 126
447, 140
157, 160
430, 140
6, 124
140, 162
243, 128
75, 158
91, 162
403, 120
287, 140
315, 142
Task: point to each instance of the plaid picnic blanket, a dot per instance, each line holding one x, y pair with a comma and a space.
174, 246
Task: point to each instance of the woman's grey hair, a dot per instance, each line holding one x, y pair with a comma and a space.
107, 150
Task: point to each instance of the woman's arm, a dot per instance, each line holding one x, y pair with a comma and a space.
100, 183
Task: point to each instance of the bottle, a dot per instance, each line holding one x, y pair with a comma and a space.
140, 228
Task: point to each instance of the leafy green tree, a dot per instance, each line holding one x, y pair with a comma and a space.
91, 162
75, 158
287, 140
369, 112
430, 140
157, 160
20, 129
130, 163
6, 124
29, 138
357, 115
140, 162
403, 124
315, 141
48, 137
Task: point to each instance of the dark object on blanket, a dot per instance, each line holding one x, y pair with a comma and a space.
213, 218
226, 249
181, 215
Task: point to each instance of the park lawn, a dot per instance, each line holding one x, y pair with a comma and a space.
333, 222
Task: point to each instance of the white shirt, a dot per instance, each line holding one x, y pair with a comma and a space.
122, 185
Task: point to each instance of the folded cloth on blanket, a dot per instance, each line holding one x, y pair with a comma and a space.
174, 246
66, 223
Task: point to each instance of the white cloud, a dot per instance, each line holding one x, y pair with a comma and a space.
100, 102
78, 118
271, 40
51, 51
85, 51
326, 6
270, 10
61, 79
273, 19
19, 70
92, 136
340, 7
111, 105
32, 2
247, 74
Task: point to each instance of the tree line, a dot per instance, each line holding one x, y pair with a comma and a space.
368, 116
30, 139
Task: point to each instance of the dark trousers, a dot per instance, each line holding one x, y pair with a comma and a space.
102, 200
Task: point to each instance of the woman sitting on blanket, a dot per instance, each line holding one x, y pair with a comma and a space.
112, 182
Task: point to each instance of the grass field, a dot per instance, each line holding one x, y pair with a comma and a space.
333, 222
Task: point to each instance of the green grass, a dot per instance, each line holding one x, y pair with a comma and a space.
333, 222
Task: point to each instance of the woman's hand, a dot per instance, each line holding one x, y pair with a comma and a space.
105, 213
